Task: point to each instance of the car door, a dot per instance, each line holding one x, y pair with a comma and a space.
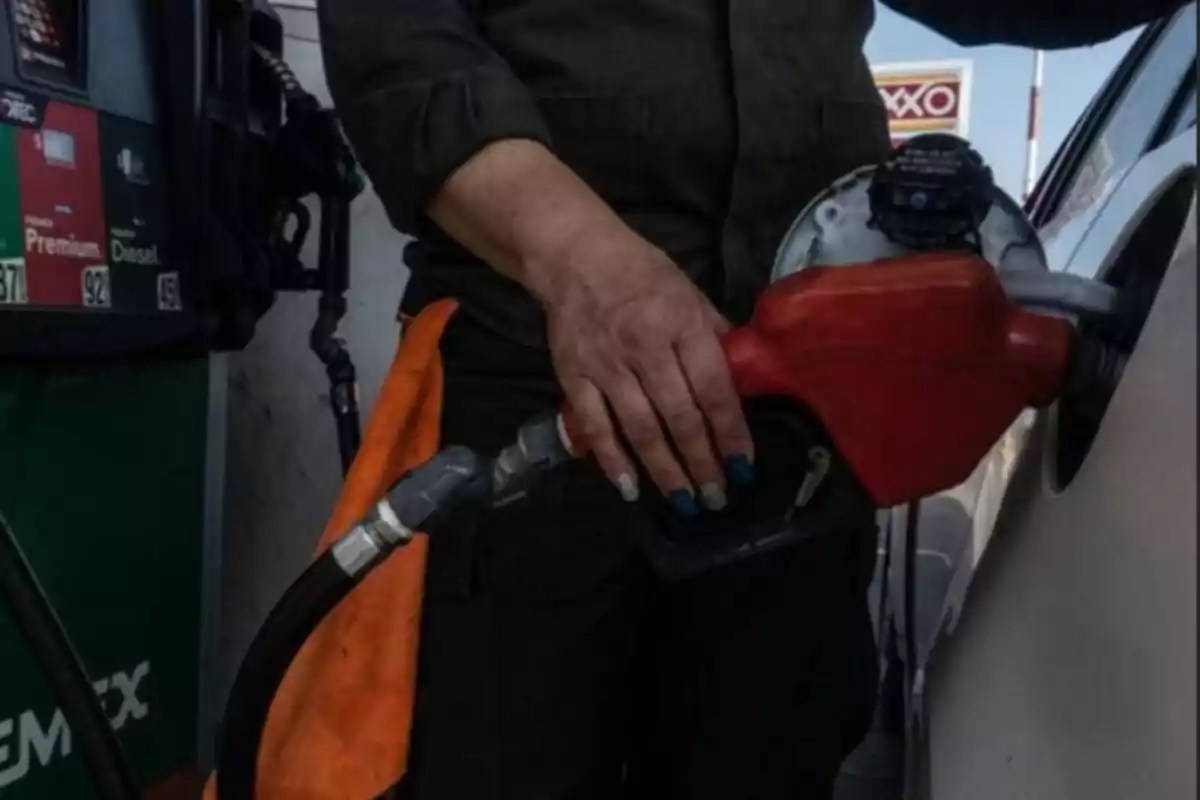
1071, 670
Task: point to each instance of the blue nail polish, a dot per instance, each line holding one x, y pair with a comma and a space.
683, 503
740, 470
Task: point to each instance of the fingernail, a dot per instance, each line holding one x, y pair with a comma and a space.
683, 503
627, 488
713, 496
741, 470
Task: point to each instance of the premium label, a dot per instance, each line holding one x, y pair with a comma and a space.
62, 214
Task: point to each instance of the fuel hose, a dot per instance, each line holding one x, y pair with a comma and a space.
452, 477
306, 602
39, 624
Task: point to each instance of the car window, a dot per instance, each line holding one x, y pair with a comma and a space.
1052, 183
1132, 122
1186, 112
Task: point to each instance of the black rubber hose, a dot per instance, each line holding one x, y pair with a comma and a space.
423, 499
306, 602
90, 729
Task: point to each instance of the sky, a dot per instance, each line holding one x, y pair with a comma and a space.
1000, 88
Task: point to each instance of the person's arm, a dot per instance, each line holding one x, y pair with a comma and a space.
419, 91
444, 129
1045, 24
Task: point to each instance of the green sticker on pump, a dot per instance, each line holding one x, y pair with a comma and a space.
14, 288
11, 242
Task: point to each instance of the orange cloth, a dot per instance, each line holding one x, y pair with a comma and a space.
339, 726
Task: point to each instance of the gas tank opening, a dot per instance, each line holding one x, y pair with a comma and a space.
1138, 273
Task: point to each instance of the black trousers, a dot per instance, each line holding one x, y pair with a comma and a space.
556, 666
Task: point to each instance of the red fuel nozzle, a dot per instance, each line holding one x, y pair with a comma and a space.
915, 366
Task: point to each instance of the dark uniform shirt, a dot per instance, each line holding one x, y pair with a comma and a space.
706, 124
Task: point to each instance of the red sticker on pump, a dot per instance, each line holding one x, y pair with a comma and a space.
62, 212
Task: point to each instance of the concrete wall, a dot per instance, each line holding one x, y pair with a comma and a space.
282, 463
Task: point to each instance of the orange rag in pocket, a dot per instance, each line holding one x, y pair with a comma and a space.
339, 726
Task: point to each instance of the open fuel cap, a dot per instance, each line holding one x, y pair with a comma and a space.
932, 193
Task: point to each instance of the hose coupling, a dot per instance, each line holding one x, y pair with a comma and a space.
420, 495
370, 540
541, 445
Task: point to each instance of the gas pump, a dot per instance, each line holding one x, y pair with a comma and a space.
146, 202
153, 160
103, 223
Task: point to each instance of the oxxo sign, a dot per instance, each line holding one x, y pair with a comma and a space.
921, 101
28, 737
923, 98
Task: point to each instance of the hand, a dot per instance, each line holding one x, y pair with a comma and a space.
627, 326
627, 329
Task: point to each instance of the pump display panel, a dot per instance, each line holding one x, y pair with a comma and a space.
85, 263
50, 40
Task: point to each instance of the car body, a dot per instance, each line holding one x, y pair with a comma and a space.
1054, 597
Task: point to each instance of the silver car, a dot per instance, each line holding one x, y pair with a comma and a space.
1054, 599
